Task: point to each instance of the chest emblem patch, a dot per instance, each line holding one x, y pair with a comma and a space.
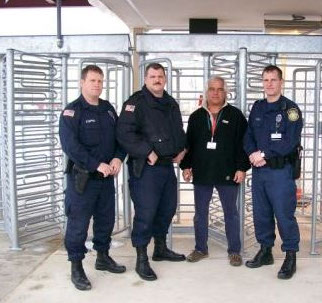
130, 108
293, 114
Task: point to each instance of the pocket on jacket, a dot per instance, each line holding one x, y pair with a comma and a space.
162, 145
90, 134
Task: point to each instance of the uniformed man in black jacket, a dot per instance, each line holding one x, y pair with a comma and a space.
150, 129
87, 135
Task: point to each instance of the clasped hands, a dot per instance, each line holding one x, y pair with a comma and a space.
256, 159
111, 169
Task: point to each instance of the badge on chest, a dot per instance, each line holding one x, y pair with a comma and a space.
211, 145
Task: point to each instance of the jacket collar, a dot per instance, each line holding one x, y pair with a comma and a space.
161, 103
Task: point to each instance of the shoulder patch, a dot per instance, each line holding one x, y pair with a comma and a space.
129, 108
293, 114
69, 113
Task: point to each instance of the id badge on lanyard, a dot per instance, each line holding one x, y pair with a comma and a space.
277, 135
213, 145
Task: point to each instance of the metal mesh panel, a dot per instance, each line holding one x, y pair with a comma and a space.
33, 192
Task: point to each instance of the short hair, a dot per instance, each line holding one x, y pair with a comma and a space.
217, 78
271, 68
91, 68
154, 66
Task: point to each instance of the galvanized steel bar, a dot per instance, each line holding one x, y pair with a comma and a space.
315, 155
206, 69
242, 97
60, 40
127, 213
89, 44
2, 97
11, 151
176, 43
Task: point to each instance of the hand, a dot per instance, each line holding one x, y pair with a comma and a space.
187, 174
256, 159
152, 158
261, 163
239, 176
105, 169
115, 165
178, 158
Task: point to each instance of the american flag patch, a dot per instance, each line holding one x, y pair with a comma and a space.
69, 112
129, 108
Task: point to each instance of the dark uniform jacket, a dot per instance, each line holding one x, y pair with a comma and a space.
148, 123
273, 128
216, 166
87, 133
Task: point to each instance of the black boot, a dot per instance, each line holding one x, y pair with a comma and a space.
163, 253
263, 257
105, 262
288, 268
79, 277
143, 266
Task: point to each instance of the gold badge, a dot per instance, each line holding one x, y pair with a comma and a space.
293, 114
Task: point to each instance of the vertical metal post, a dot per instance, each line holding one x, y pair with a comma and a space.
315, 155
1, 140
142, 68
169, 77
64, 80
107, 82
126, 192
127, 78
272, 59
60, 41
206, 68
11, 150
242, 92
64, 97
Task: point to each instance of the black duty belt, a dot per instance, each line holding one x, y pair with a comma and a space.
279, 162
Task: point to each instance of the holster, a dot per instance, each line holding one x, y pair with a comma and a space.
138, 164
81, 177
69, 167
296, 163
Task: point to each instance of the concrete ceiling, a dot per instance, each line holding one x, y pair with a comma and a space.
232, 15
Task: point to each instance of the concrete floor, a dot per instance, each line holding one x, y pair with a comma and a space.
40, 273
